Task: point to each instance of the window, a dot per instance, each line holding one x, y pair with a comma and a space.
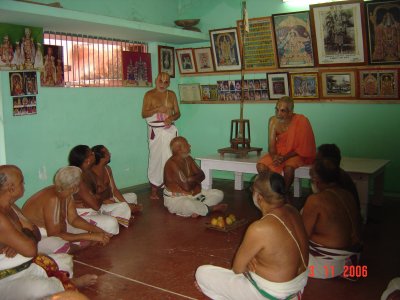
92, 61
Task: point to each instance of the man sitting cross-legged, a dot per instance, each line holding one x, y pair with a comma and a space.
53, 210
23, 273
332, 221
271, 262
182, 178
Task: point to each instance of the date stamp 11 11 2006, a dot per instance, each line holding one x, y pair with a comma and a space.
348, 271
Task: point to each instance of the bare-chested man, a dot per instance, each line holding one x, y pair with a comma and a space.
291, 142
182, 177
332, 221
161, 110
106, 187
271, 262
23, 273
53, 210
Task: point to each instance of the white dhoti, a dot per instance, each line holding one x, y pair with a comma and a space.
220, 283
30, 283
52, 244
325, 263
106, 222
187, 205
160, 136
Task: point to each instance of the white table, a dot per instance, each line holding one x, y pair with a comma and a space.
361, 170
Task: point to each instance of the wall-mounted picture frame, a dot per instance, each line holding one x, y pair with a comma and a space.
203, 59
378, 83
383, 19
136, 69
278, 85
338, 84
189, 92
304, 85
339, 33
25, 105
186, 61
166, 60
293, 39
209, 92
225, 49
52, 72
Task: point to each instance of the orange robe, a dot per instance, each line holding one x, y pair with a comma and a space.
298, 138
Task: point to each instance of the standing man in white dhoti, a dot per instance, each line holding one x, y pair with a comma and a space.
161, 110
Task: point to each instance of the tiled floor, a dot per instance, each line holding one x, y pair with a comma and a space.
157, 256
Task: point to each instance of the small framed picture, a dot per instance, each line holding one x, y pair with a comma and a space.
378, 84
203, 58
225, 49
190, 92
278, 85
136, 69
338, 84
304, 85
186, 61
166, 60
209, 92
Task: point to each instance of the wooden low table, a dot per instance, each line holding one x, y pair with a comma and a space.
361, 170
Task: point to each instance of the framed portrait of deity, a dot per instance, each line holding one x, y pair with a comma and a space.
339, 33
203, 58
136, 69
383, 23
278, 85
225, 49
52, 72
293, 39
304, 86
186, 61
378, 83
338, 84
166, 60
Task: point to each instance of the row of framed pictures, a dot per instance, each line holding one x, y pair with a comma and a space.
379, 84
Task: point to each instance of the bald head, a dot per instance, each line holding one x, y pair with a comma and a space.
162, 82
11, 182
67, 177
177, 143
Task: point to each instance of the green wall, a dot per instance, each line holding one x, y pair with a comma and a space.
111, 116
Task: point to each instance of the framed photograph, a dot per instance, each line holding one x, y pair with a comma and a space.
225, 49
203, 59
278, 85
378, 84
383, 26
209, 92
186, 61
136, 69
17, 83
190, 92
52, 72
339, 84
259, 47
304, 85
339, 34
293, 39
166, 60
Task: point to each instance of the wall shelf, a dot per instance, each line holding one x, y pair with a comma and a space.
358, 101
69, 21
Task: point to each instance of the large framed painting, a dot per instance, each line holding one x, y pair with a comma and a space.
225, 49
293, 39
338, 84
166, 60
186, 61
259, 47
339, 33
203, 59
383, 31
278, 85
304, 85
136, 69
379, 84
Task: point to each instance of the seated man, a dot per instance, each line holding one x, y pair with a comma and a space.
332, 152
291, 142
23, 274
332, 221
88, 204
53, 210
182, 177
271, 262
105, 184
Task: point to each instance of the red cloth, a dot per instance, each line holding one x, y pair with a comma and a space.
298, 138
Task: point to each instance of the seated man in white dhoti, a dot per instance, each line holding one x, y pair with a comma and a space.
23, 273
333, 223
53, 210
161, 110
182, 177
271, 262
88, 204
105, 184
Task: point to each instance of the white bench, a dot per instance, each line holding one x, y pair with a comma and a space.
362, 170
